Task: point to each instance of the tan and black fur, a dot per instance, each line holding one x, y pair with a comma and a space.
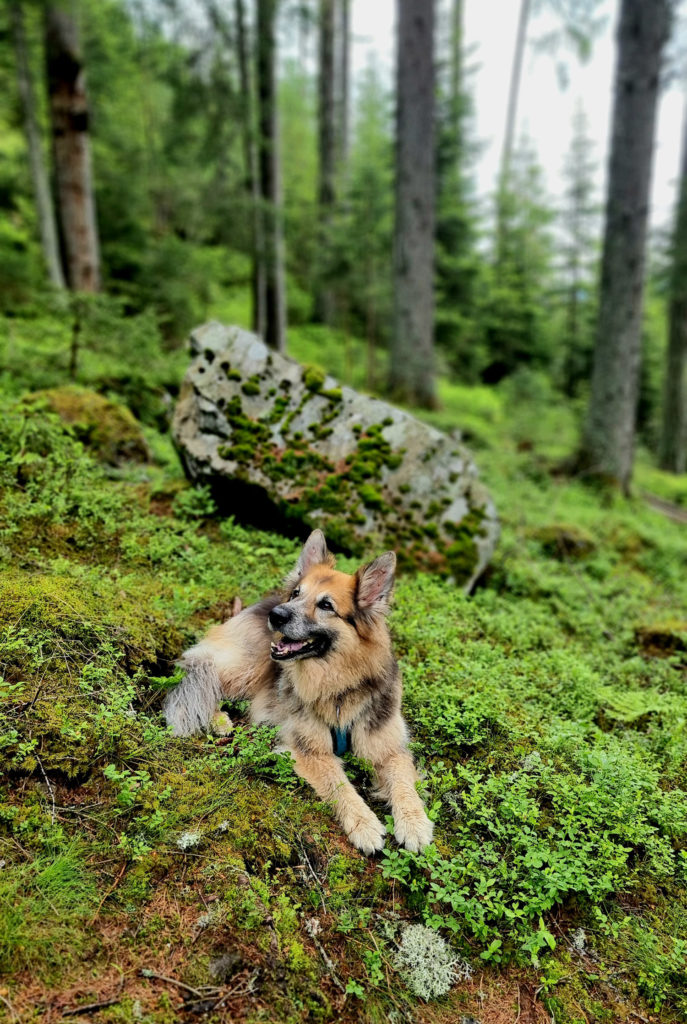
313, 658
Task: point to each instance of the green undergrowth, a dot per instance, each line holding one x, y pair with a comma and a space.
548, 713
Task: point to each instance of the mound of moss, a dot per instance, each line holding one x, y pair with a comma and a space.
105, 428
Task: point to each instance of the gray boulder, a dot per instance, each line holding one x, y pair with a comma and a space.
281, 442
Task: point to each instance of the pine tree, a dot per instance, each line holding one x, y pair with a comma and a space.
72, 149
607, 447
39, 171
270, 176
412, 370
579, 219
673, 443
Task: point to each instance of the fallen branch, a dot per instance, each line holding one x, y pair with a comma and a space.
146, 973
108, 893
90, 1007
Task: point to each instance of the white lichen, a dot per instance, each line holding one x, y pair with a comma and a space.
428, 964
313, 926
187, 840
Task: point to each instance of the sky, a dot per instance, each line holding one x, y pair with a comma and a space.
545, 111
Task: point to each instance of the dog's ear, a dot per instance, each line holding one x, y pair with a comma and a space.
374, 583
315, 552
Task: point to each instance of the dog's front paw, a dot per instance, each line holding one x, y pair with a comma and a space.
368, 834
414, 830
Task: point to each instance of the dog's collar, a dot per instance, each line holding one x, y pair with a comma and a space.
341, 741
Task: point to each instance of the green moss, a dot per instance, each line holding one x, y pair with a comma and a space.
313, 378
251, 387
108, 430
370, 496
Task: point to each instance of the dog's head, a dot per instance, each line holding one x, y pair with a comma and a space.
325, 610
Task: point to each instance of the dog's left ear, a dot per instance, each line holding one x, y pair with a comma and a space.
315, 552
374, 583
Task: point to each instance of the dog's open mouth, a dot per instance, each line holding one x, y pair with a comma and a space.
285, 649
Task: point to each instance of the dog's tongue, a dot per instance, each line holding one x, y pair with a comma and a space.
288, 646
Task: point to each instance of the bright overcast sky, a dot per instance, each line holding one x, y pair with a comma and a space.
545, 112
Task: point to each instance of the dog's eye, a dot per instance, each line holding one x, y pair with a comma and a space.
295, 593
325, 604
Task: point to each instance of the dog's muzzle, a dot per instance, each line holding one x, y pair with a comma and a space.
297, 640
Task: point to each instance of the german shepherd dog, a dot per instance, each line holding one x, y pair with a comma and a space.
315, 659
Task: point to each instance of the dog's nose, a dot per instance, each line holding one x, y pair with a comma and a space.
279, 616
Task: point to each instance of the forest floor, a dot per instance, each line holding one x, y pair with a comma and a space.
145, 878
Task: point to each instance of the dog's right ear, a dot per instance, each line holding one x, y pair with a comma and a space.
315, 552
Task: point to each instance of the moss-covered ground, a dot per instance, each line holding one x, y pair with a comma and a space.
162, 880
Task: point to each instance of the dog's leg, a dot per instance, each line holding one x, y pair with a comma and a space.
397, 776
386, 748
325, 774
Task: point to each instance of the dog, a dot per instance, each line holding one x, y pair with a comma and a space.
315, 659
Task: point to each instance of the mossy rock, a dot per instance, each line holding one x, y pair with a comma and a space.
565, 541
662, 639
285, 446
108, 430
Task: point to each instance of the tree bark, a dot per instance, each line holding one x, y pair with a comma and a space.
250, 158
673, 445
270, 177
457, 74
71, 144
39, 172
344, 83
511, 121
327, 146
412, 348
607, 448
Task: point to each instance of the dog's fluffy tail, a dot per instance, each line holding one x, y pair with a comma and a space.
190, 706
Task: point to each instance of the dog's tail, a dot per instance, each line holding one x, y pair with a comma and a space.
190, 706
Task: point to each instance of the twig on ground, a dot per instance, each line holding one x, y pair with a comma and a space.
49, 785
146, 973
108, 893
328, 962
8, 1004
91, 1007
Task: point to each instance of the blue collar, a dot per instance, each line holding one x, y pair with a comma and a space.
341, 741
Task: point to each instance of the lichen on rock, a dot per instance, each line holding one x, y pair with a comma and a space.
274, 437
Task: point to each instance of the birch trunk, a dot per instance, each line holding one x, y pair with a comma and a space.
412, 347
71, 144
39, 172
607, 448
270, 177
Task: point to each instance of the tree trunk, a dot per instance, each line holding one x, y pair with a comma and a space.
39, 173
344, 83
457, 76
511, 121
270, 177
412, 347
608, 439
250, 157
326, 188
674, 425
71, 143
